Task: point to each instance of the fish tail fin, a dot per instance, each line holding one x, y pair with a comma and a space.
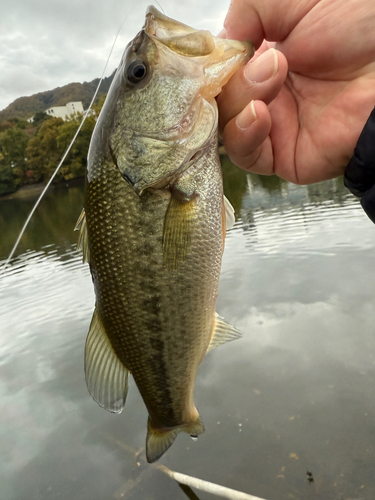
159, 440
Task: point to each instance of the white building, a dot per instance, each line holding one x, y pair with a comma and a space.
64, 112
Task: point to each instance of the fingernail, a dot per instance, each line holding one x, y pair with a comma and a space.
247, 117
263, 68
222, 34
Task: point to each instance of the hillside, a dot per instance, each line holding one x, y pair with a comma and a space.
25, 107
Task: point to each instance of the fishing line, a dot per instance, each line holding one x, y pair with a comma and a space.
62, 159
161, 8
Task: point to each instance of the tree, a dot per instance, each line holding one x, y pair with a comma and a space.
24, 161
42, 151
76, 161
5, 125
39, 118
13, 143
7, 181
21, 123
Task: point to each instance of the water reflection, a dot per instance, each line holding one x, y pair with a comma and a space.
52, 223
296, 394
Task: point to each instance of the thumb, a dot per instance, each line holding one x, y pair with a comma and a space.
259, 20
261, 79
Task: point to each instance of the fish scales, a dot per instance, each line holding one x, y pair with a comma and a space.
154, 225
144, 303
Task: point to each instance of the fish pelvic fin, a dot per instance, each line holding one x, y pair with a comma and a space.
159, 440
178, 227
106, 376
222, 332
229, 213
83, 242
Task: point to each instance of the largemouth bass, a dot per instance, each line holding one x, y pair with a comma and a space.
153, 225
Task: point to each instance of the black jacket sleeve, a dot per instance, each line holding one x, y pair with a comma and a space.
360, 172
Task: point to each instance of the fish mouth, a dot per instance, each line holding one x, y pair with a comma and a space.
196, 65
223, 57
177, 36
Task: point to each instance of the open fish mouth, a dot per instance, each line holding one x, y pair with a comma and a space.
223, 56
177, 36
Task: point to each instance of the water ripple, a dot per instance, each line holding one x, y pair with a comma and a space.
40, 290
309, 229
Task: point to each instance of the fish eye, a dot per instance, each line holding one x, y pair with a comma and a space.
136, 71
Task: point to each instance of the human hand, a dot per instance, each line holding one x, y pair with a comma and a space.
307, 121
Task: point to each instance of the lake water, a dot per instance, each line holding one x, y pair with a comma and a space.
296, 394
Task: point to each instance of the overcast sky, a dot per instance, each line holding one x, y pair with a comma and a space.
46, 44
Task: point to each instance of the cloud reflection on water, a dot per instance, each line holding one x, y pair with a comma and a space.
295, 393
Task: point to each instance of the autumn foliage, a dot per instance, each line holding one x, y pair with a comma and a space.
30, 152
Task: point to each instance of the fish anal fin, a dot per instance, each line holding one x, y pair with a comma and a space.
179, 224
83, 242
159, 440
106, 376
222, 332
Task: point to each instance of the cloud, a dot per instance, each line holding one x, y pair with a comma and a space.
47, 44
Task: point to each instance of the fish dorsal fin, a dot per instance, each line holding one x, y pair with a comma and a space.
106, 376
178, 227
83, 242
229, 214
223, 332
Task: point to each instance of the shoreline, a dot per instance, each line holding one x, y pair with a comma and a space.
30, 191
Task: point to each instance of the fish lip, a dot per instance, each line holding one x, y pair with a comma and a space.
165, 29
155, 18
173, 28
222, 56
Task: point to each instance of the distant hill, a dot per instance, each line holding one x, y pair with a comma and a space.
25, 107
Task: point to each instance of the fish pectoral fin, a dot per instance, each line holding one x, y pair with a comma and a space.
178, 228
106, 376
159, 440
229, 213
83, 242
223, 332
